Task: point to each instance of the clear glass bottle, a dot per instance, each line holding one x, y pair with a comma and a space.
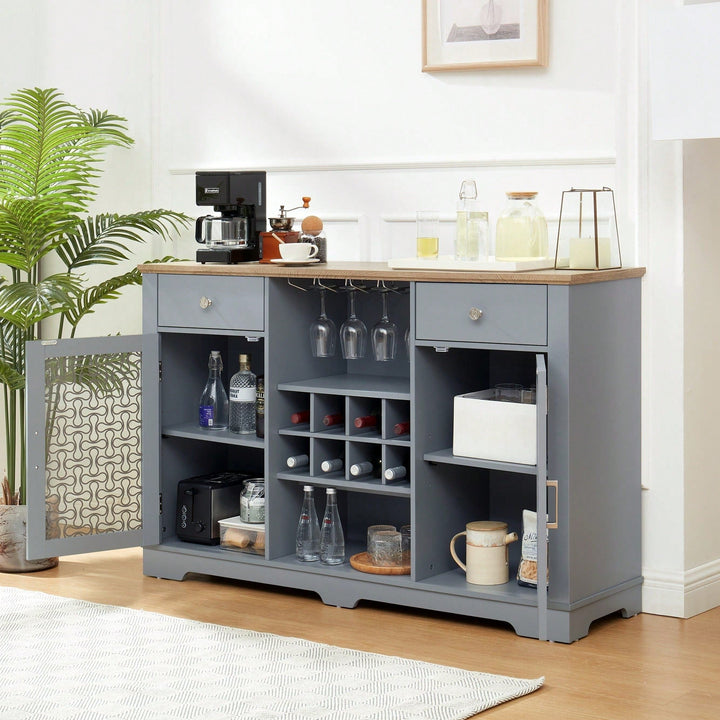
307, 540
214, 400
471, 239
260, 408
243, 396
332, 540
521, 232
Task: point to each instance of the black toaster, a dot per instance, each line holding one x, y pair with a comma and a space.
202, 501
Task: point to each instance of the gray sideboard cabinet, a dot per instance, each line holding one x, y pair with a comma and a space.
574, 335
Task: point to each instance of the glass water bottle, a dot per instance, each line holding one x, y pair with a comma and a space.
307, 542
243, 396
471, 238
332, 540
214, 400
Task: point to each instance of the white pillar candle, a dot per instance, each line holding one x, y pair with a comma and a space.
582, 253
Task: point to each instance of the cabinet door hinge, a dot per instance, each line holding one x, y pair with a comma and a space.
160, 370
160, 502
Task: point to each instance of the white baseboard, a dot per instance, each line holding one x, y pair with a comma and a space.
682, 594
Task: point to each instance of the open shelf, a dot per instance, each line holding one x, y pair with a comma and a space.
195, 432
453, 582
337, 480
393, 388
446, 456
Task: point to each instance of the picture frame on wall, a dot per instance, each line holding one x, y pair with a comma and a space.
477, 34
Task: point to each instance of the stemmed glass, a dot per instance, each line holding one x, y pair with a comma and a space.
323, 333
384, 332
353, 333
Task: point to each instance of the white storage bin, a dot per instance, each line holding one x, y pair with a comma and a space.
241, 536
492, 430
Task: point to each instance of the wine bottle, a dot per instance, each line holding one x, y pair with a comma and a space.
332, 465
396, 473
298, 461
333, 419
401, 428
302, 416
367, 421
367, 467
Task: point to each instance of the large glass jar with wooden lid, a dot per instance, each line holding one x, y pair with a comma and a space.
521, 232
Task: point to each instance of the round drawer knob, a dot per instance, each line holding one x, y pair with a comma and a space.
205, 302
475, 313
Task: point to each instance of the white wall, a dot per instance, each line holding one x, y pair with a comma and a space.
337, 92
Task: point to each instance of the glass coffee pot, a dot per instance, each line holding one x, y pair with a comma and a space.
219, 231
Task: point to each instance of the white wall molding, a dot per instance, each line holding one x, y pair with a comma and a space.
682, 594
429, 164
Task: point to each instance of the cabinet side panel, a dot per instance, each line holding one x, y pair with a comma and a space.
602, 504
150, 413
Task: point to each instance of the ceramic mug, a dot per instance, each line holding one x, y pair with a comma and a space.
486, 552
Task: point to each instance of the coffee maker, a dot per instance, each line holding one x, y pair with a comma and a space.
233, 236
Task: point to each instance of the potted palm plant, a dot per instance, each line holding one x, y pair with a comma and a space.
50, 155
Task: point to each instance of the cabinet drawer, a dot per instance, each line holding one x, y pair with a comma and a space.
511, 314
223, 303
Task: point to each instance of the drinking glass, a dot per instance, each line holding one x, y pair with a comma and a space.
323, 333
428, 234
508, 392
376, 529
353, 333
385, 548
384, 333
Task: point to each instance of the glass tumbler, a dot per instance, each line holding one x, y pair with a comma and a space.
428, 234
385, 548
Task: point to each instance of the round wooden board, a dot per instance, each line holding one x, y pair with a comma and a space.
361, 562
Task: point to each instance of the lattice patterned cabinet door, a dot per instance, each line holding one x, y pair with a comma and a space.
87, 472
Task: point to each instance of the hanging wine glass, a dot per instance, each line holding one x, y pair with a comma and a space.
353, 333
384, 332
323, 333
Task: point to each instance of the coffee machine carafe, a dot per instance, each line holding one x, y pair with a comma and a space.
234, 235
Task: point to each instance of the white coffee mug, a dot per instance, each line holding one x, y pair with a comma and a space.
298, 251
486, 552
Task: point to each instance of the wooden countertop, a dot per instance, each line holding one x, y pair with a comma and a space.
380, 271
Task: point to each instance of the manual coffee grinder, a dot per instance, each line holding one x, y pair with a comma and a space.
233, 236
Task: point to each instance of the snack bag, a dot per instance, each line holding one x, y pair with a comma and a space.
527, 570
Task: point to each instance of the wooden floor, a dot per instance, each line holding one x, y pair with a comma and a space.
626, 669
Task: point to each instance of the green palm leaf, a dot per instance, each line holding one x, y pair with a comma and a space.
50, 155
105, 291
25, 304
105, 239
11, 377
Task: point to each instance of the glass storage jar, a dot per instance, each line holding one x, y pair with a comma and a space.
521, 232
252, 501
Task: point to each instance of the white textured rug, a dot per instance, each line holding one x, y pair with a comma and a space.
64, 659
